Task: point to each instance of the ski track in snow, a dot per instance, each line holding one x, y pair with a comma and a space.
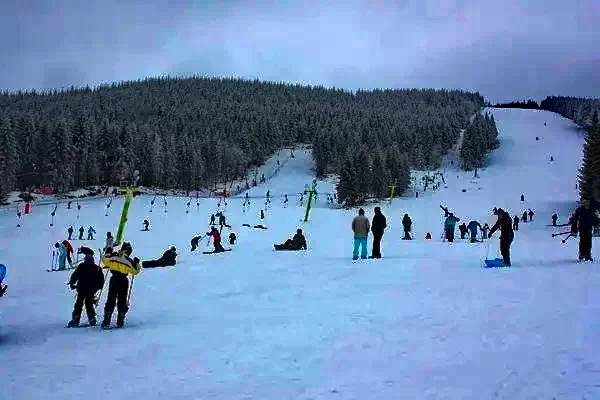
424, 322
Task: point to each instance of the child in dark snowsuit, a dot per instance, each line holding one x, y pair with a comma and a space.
146, 225
232, 238
524, 217
81, 231
472, 227
70, 232
531, 214
87, 280
554, 219
516, 223
91, 232
485, 231
463, 230
214, 232
195, 241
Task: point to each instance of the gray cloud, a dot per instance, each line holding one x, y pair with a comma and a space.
505, 50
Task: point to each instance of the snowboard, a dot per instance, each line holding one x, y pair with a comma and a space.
212, 252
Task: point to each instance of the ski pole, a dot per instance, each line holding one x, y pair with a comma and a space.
561, 233
53, 256
130, 290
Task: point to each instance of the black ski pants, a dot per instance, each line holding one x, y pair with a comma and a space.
515, 226
463, 234
86, 298
505, 243
406, 234
117, 295
450, 235
585, 245
218, 246
376, 252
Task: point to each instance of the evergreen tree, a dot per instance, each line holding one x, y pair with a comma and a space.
589, 176
8, 157
347, 187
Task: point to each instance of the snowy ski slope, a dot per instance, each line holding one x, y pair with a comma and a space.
426, 321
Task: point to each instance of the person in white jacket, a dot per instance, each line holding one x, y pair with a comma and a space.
62, 255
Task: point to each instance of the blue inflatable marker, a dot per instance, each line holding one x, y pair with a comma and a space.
2, 272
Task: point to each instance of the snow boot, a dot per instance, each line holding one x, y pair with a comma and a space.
74, 323
106, 322
120, 320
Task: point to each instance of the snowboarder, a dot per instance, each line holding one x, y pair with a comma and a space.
506, 235
586, 219
81, 232
121, 265
87, 279
407, 225
522, 197
485, 230
378, 226
168, 259
298, 242
214, 232
554, 219
472, 227
449, 226
146, 224
109, 242
516, 223
360, 228
463, 230
232, 238
524, 216
531, 214
70, 232
91, 232
62, 256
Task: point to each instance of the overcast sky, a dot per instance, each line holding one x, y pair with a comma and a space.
505, 49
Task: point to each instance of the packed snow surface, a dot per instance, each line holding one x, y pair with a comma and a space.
425, 322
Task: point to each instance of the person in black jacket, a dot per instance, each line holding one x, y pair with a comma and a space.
378, 225
516, 223
554, 219
585, 217
506, 234
407, 225
298, 242
463, 230
168, 259
87, 280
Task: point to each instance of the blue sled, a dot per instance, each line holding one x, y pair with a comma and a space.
493, 263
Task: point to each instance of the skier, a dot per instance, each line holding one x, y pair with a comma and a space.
109, 242
91, 232
463, 230
70, 232
485, 230
554, 219
378, 225
585, 217
146, 224
285, 200
194, 242
81, 231
524, 216
472, 227
62, 256
214, 232
69, 252
360, 228
222, 222
262, 214
298, 242
232, 238
212, 219
531, 214
87, 280
121, 265
449, 226
407, 225
506, 235
168, 259
516, 223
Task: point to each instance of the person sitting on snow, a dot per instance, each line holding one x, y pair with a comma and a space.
298, 242
168, 259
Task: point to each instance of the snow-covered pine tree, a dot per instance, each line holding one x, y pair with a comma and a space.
589, 173
347, 187
8, 157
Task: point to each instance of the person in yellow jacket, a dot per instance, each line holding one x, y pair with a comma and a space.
121, 265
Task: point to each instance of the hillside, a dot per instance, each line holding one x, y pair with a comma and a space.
425, 321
